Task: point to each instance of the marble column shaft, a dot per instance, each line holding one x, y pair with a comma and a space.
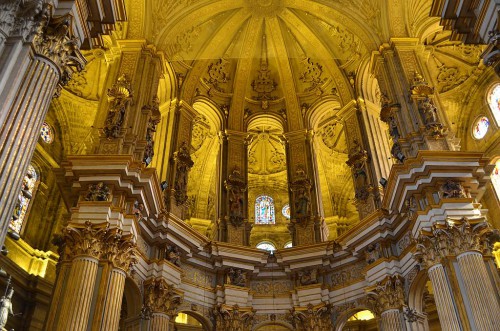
448, 316
480, 292
77, 298
159, 322
113, 300
391, 320
26, 90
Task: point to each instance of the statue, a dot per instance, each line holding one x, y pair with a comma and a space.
119, 97
6, 306
393, 128
372, 253
308, 277
184, 163
173, 255
97, 192
429, 111
236, 204
149, 148
237, 277
302, 202
452, 189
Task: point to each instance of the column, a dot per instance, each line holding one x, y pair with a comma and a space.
80, 249
30, 75
161, 302
387, 298
428, 253
461, 241
119, 253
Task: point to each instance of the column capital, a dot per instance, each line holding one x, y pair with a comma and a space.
452, 237
387, 294
119, 249
160, 297
53, 40
229, 318
312, 317
81, 240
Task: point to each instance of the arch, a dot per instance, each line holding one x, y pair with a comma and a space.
416, 291
132, 295
263, 326
205, 322
267, 245
344, 317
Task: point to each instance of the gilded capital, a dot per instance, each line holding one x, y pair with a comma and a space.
452, 238
387, 294
233, 318
312, 318
53, 40
119, 249
81, 240
160, 297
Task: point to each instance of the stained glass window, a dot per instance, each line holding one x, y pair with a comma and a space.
24, 198
495, 178
46, 133
264, 210
481, 127
267, 246
494, 102
286, 211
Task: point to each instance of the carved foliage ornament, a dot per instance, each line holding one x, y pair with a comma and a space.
160, 297
452, 237
53, 40
119, 97
388, 294
312, 318
232, 318
98, 241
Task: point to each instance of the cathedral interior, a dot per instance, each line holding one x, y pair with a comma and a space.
249, 165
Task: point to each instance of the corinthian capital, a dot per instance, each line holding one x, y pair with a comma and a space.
119, 249
53, 40
81, 240
233, 318
160, 297
452, 238
387, 294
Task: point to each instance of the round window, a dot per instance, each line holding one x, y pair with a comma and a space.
481, 127
46, 133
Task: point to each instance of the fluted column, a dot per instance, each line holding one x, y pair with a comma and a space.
387, 299
445, 304
161, 301
80, 247
483, 302
119, 251
29, 78
464, 241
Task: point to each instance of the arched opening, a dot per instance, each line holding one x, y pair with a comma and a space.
357, 320
130, 315
273, 326
191, 321
421, 302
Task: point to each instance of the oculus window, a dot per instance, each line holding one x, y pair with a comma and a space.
480, 127
286, 211
264, 210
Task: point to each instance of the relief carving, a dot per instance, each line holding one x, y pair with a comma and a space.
97, 192
237, 277
173, 255
452, 189
311, 74
218, 75
307, 277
